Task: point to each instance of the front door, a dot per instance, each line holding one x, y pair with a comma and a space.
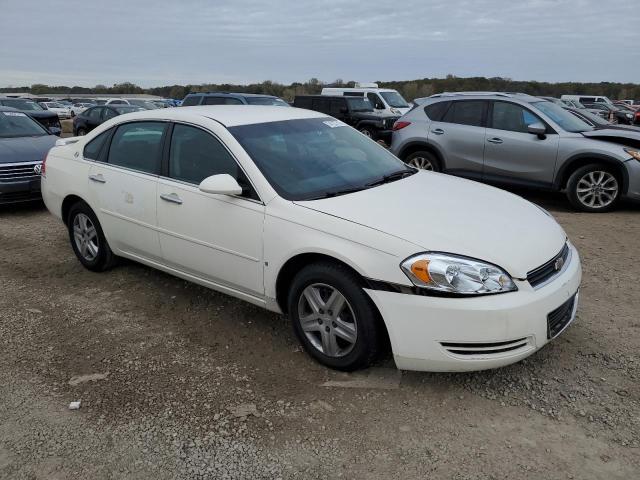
512, 154
214, 237
124, 187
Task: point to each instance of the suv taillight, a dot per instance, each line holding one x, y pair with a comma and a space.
400, 125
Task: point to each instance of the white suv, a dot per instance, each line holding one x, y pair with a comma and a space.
385, 101
301, 214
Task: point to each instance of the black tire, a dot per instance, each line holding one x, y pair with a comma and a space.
81, 132
575, 182
369, 132
423, 160
104, 259
364, 316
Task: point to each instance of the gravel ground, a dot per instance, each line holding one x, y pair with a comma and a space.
179, 382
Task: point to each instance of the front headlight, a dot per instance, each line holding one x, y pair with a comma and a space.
455, 274
629, 115
634, 153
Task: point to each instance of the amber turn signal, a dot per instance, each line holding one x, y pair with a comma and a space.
420, 269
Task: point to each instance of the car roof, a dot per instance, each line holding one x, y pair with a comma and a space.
518, 97
232, 94
8, 109
228, 115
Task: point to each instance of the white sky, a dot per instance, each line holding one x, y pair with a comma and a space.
161, 42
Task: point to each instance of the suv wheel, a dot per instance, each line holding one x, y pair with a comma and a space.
87, 239
367, 131
593, 188
81, 132
423, 160
333, 317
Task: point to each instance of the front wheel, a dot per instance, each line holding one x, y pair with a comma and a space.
333, 317
81, 132
88, 240
593, 188
368, 132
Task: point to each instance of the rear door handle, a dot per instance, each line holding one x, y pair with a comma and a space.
495, 140
437, 131
97, 178
171, 197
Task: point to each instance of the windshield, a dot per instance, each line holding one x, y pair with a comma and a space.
394, 99
315, 157
273, 101
121, 109
566, 120
54, 105
18, 124
359, 104
21, 104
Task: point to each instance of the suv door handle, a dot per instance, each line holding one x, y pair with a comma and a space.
97, 178
437, 131
495, 140
172, 197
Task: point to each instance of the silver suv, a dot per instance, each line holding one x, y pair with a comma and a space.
520, 140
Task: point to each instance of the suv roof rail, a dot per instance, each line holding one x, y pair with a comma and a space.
454, 94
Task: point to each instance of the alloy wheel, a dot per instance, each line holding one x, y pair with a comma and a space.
327, 320
85, 237
420, 162
366, 132
597, 189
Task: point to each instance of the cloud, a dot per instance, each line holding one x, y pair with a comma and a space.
161, 42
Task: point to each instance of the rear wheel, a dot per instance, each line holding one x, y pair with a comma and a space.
367, 131
81, 132
423, 160
333, 317
88, 240
594, 188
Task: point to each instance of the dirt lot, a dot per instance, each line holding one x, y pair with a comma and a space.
188, 383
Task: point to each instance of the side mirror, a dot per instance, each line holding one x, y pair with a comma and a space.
223, 184
537, 129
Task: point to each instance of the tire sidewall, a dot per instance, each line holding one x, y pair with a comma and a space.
104, 256
572, 185
365, 313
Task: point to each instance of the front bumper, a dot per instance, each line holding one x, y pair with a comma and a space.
633, 174
20, 191
439, 334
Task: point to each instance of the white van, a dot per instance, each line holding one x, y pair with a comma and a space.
584, 99
383, 100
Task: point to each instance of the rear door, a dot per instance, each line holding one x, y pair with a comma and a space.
459, 135
511, 153
123, 184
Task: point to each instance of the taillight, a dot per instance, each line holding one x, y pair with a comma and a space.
400, 125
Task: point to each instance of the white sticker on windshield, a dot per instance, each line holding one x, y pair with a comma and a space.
14, 114
334, 123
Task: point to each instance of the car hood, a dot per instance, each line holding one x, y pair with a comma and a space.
25, 149
622, 136
437, 212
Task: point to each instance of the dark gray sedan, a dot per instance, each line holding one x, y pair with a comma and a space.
23, 145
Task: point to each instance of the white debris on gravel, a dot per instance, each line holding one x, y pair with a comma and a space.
74, 405
92, 377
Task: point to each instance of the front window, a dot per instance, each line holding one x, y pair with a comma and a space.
18, 124
563, 118
316, 157
359, 104
394, 99
273, 101
22, 104
512, 117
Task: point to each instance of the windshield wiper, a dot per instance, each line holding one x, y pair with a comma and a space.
336, 193
392, 177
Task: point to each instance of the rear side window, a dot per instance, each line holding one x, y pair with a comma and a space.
337, 104
322, 105
469, 112
138, 146
94, 147
190, 101
435, 111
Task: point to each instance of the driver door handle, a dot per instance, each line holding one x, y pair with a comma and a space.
495, 140
97, 178
437, 131
171, 197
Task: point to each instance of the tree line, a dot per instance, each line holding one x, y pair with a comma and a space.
410, 89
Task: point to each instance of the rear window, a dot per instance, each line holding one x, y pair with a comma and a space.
221, 101
435, 111
469, 112
190, 101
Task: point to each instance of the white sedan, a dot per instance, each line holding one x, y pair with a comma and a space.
78, 108
300, 214
57, 108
